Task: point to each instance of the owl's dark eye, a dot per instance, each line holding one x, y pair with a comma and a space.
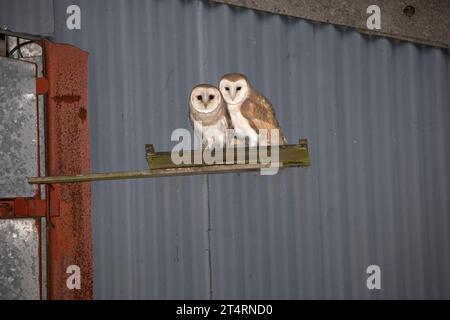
199, 97
238, 88
226, 88
211, 96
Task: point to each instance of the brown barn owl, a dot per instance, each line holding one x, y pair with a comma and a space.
249, 110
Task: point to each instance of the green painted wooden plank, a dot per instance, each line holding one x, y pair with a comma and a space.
289, 156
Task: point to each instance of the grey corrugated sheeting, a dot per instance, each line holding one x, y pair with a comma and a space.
27, 16
377, 117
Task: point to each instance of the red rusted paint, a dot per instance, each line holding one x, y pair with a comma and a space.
6, 209
82, 114
38, 227
41, 85
66, 98
67, 145
23, 208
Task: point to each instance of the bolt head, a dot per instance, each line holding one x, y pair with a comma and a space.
409, 11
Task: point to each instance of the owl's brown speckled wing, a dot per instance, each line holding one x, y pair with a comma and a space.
260, 114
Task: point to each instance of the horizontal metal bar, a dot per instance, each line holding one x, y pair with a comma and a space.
213, 169
424, 22
23, 208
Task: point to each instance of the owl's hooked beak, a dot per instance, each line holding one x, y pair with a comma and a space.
205, 100
233, 92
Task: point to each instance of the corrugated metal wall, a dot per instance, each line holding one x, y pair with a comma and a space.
27, 16
376, 114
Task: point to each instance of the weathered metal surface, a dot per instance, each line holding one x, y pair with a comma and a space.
23, 48
43, 255
142, 174
41, 85
35, 56
19, 259
375, 113
23, 208
415, 20
288, 155
69, 237
20, 207
18, 128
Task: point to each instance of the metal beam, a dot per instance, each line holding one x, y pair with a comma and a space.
143, 174
69, 239
418, 21
161, 165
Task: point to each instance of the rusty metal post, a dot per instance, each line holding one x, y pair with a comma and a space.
69, 235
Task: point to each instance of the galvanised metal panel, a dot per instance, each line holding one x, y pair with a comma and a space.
19, 257
376, 113
27, 16
18, 127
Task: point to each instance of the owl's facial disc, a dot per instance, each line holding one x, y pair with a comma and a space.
234, 92
205, 99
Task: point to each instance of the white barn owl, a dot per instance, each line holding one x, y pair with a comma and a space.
249, 110
209, 116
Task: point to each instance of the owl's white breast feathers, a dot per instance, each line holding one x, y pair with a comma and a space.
213, 134
241, 125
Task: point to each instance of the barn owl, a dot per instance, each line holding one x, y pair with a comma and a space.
209, 115
249, 110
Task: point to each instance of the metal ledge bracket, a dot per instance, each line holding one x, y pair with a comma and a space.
161, 165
